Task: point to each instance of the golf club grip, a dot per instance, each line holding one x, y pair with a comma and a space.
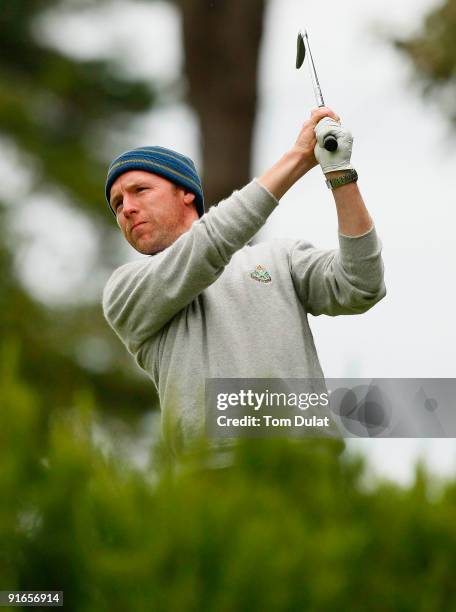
330, 143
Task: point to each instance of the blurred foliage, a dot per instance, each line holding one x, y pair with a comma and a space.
433, 53
58, 112
289, 526
53, 106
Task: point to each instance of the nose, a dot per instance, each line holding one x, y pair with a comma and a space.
130, 205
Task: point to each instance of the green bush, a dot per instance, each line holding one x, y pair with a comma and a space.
289, 526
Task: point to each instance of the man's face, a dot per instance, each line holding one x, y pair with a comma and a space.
151, 211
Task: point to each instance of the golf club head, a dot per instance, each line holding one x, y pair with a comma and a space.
300, 51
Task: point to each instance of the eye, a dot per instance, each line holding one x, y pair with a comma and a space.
117, 205
139, 189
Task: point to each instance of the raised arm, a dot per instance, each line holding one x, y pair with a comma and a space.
348, 280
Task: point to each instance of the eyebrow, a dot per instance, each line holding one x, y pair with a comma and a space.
113, 200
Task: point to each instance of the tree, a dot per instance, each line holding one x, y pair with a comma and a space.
433, 54
222, 41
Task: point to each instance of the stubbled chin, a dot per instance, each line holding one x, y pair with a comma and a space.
143, 247
142, 243
146, 244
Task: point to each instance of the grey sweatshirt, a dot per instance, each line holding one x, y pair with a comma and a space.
202, 308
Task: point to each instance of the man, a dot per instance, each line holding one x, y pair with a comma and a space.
205, 305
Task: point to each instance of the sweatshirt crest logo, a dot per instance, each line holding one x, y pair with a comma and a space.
261, 275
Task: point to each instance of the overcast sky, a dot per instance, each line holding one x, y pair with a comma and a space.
400, 150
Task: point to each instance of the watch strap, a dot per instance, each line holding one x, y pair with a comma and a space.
350, 176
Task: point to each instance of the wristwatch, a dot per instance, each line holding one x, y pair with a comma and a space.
351, 176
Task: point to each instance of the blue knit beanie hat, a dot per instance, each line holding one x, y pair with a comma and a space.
167, 163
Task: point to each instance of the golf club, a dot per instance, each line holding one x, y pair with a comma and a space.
330, 142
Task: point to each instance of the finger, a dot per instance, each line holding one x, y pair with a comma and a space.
323, 111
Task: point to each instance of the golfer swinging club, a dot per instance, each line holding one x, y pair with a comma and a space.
203, 304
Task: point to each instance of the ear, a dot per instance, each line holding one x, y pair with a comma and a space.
189, 198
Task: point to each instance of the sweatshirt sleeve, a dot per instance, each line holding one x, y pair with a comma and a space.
348, 280
142, 296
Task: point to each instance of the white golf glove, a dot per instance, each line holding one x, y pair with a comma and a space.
333, 160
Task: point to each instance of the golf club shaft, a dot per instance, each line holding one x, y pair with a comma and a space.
330, 143
313, 74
